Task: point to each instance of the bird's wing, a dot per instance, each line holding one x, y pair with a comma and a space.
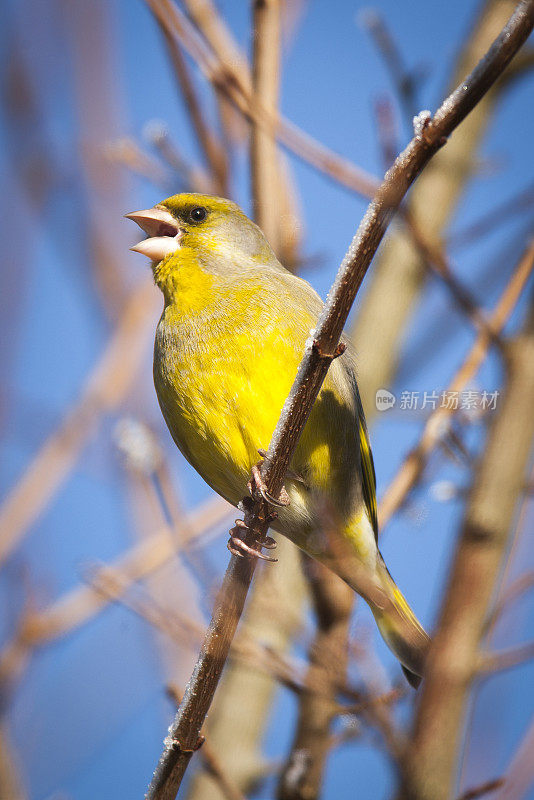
312, 303
368, 468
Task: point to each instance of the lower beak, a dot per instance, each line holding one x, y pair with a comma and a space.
161, 229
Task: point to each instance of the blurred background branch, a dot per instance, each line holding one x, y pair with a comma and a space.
303, 774
109, 559
399, 277
484, 538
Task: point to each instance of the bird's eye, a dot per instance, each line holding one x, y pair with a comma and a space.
198, 214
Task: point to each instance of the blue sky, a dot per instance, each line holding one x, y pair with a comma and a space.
89, 710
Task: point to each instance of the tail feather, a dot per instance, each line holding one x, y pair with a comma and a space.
413, 679
396, 621
401, 630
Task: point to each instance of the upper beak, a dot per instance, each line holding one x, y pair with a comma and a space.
161, 229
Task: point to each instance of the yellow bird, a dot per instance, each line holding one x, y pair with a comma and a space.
231, 336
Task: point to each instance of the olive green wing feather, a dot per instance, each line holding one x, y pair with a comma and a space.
368, 468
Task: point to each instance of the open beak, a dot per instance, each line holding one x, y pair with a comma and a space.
161, 229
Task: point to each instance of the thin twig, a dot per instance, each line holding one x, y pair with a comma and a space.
104, 389
520, 773
175, 512
128, 153
146, 464
412, 468
246, 650
376, 713
214, 152
434, 257
432, 254
484, 788
114, 587
227, 75
79, 605
431, 135
405, 83
506, 659
236, 83
193, 177
399, 276
522, 201
521, 586
387, 133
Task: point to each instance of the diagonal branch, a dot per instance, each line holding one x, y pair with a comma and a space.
84, 602
413, 466
431, 134
214, 153
228, 72
508, 209
404, 81
483, 789
399, 275
225, 70
520, 773
104, 390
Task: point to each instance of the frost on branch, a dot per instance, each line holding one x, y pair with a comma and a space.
420, 122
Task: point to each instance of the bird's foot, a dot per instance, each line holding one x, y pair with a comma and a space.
238, 547
257, 484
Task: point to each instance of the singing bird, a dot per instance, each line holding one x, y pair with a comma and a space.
228, 344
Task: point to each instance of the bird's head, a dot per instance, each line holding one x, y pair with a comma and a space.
215, 230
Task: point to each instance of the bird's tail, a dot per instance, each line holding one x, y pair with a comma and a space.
400, 628
397, 623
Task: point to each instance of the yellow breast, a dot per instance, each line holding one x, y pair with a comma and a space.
226, 354
221, 377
